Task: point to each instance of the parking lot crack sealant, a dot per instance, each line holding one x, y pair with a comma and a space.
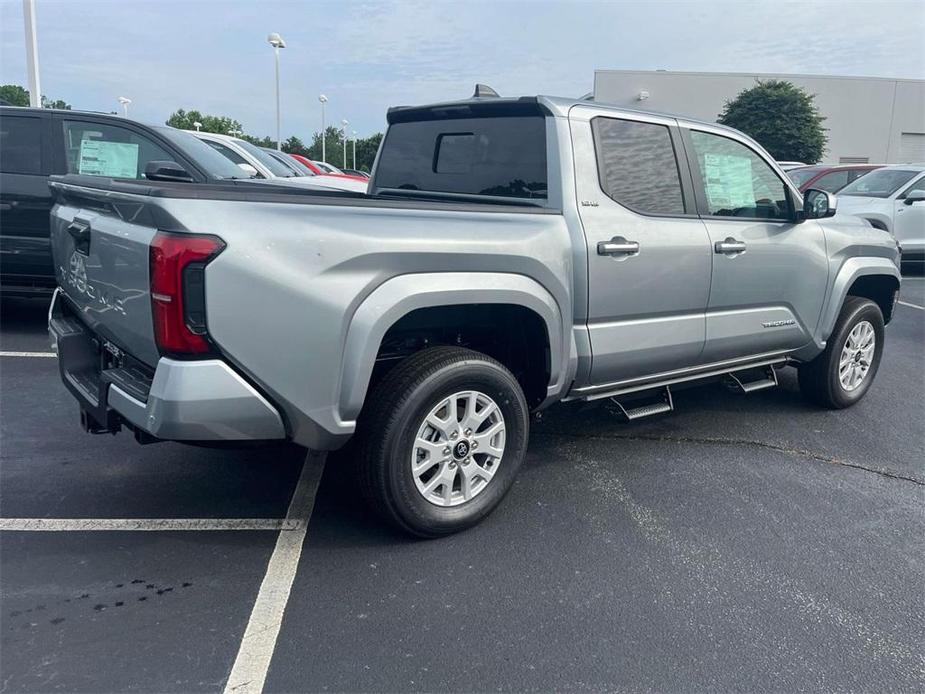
707, 440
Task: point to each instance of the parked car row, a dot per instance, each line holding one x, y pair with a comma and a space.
37, 143
831, 178
270, 164
891, 198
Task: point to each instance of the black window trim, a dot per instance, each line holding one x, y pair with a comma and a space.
684, 173
198, 175
44, 144
700, 193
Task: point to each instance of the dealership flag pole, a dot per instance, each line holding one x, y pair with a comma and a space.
32, 54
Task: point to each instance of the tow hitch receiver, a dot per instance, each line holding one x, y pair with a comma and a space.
91, 425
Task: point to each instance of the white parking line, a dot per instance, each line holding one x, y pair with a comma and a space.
149, 524
28, 354
249, 671
906, 303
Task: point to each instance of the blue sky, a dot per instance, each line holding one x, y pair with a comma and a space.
212, 55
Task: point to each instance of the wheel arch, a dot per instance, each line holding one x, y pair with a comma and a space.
874, 278
402, 296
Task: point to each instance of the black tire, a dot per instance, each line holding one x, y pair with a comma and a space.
819, 381
389, 424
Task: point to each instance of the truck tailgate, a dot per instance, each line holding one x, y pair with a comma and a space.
100, 247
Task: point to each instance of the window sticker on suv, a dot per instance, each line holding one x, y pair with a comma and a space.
729, 181
113, 159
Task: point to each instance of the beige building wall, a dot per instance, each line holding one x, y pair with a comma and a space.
873, 119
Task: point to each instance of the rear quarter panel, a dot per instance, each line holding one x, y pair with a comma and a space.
281, 297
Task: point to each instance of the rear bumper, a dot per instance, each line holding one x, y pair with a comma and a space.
203, 400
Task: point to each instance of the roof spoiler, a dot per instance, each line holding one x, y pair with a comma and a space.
484, 91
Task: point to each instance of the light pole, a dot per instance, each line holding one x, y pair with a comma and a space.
323, 99
346, 123
125, 101
277, 42
354, 150
32, 54
197, 125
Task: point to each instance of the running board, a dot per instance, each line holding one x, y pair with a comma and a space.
666, 404
769, 381
690, 375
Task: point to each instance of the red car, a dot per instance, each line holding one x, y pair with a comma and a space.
315, 169
828, 178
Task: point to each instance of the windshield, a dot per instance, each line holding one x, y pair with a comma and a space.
210, 161
327, 168
276, 167
287, 161
881, 183
801, 176
298, 166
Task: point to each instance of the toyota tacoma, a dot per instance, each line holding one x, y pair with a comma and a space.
511, 253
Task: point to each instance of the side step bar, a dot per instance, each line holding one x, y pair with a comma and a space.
769, 380
665, 404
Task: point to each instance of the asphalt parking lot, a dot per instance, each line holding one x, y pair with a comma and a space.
741, 543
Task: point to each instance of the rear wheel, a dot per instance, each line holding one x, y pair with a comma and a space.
842, 374
441, 439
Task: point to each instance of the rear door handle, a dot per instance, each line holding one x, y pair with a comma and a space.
617, 246
729, 246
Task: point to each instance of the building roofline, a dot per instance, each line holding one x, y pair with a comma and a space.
757, 74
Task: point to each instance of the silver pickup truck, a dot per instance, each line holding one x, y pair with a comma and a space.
510, 253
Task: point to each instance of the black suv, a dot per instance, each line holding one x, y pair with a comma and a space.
36, 143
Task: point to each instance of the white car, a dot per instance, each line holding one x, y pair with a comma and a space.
891, 198
261, 164
787, 165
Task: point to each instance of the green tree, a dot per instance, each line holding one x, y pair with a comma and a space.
293, 145
57, 103
782, 117
334, 149
15, 95
211, 124
366, 151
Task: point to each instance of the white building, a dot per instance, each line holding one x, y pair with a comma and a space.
869, 119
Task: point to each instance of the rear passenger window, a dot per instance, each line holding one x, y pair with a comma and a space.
637, 166
97, 149
21, 145
832, 181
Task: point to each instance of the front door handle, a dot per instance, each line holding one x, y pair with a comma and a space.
730, 245
617, 246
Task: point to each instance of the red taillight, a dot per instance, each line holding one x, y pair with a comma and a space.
178, 292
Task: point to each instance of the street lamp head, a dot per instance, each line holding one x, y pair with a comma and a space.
197, 125
322, 98
124, 100
345, 122
276, 41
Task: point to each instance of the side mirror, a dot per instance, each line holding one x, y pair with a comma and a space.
249, 170
913, 196
167, 171
818, 204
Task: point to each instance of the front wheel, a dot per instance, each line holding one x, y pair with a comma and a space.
843, 373
441, 440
